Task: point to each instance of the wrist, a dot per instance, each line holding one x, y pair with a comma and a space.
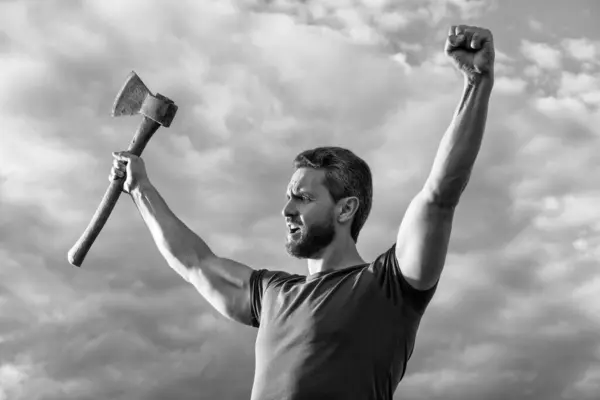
485, 80
141, 188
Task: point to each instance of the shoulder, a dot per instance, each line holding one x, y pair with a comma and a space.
265, 278
389, 274
264, 284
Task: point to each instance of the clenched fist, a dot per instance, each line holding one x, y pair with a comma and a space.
130, 167
471, 49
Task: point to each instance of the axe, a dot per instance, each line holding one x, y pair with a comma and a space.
133, 98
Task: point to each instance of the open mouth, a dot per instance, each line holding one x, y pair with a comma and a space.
294, 230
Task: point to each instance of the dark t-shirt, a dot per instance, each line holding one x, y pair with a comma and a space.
344, 334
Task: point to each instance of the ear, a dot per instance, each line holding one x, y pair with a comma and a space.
347, 207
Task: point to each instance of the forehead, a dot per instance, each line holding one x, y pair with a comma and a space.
307, 179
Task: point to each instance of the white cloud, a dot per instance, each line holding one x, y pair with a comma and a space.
532, 71
416, 47
502, 57
12, 379
577, 84
541, 54
581, 49
575, 93
587, 387
467, 9
574, 211
535, 25
592, 98
558, 107
395, 21
583, 86
510, 85
36, 168
504, 64
400, 58
470, 9
357, 28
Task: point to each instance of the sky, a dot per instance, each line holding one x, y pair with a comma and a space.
517, 311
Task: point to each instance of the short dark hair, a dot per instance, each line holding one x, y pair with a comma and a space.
346, 175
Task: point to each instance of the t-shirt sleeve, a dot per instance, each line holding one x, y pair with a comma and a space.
396, 284
260, 281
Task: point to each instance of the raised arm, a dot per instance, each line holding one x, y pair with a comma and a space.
222, 282
424, 233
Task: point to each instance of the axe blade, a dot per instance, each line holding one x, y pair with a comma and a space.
130, 98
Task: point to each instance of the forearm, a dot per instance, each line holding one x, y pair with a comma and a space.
180, 246
460, 144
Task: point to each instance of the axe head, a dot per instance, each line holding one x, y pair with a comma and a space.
135, 98
131, 96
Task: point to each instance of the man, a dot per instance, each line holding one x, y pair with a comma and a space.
347, 330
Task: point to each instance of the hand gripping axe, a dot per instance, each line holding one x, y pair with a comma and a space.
133, 98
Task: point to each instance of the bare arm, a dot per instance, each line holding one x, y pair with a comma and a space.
222, 282
460, 145
424, 233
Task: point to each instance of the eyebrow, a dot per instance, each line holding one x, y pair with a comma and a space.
298, 193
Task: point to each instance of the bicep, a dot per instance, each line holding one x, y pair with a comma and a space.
422, 242
225, 284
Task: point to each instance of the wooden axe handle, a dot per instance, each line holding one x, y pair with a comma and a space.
80, 249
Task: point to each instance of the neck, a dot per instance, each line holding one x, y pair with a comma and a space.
341, 253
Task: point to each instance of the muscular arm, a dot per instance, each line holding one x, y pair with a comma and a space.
460, 145
222, 282
423, 237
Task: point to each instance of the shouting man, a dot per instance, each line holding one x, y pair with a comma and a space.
348, 328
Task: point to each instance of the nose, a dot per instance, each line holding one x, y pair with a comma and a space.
289, 210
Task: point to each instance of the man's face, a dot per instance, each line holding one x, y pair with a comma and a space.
309, 214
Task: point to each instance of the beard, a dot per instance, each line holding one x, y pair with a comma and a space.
312, 239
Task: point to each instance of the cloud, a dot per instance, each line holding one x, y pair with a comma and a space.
577, 83
256, 83
541, 54
581, 49
535, 25
584, 87
11, 380
470, 9
510, 85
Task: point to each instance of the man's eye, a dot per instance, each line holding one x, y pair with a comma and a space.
301, 198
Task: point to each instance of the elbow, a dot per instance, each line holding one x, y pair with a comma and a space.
446, 192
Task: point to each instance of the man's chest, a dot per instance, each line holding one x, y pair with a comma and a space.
341, 311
